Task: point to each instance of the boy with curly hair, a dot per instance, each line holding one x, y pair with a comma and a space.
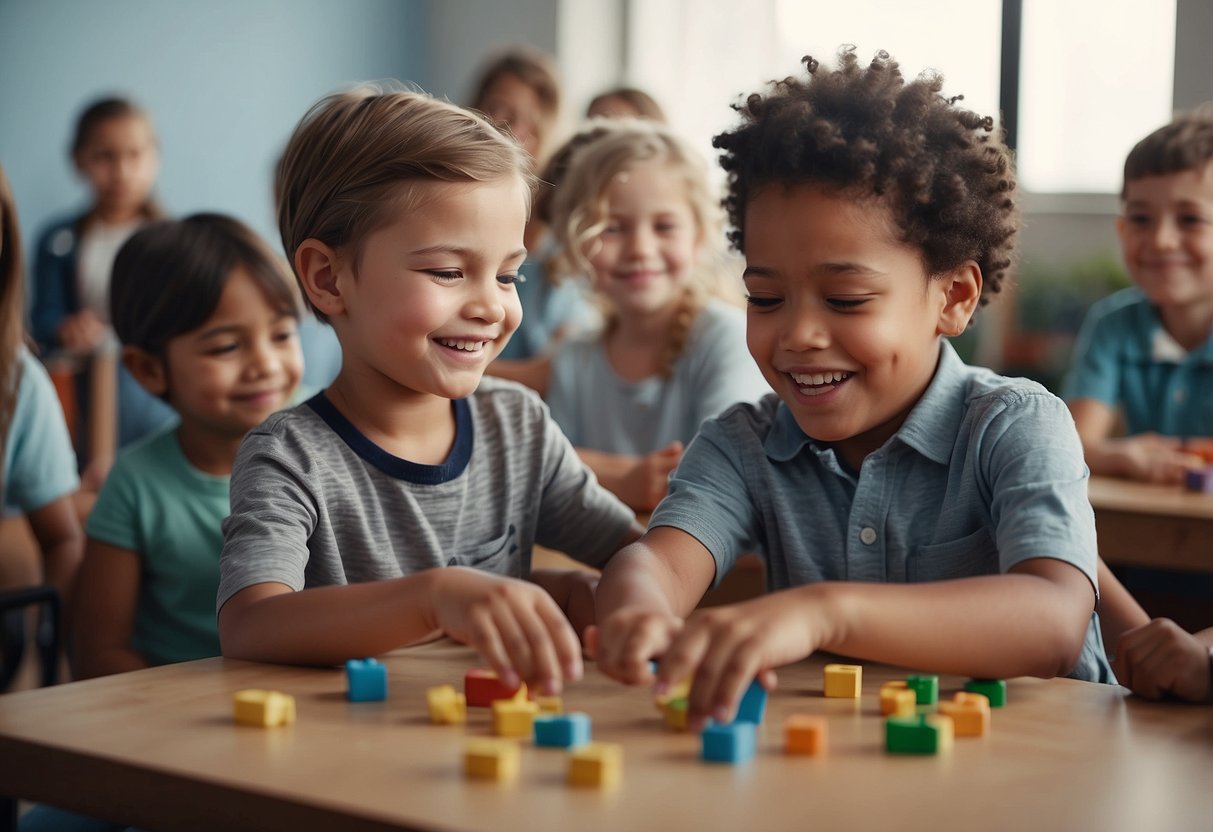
911, 509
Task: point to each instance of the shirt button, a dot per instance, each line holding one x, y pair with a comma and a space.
868, 535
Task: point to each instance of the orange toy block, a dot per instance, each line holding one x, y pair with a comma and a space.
805, 734
264, 708
514, 717
843, 680
970, 714
486, 759
896, 699
596, 764
446, 705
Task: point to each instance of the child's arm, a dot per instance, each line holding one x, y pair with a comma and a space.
1119, 611
640, 481
56, 527
1146, 456
515, 625
105, 612
573, 589
1160, 658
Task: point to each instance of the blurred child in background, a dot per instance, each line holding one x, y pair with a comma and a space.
625, 102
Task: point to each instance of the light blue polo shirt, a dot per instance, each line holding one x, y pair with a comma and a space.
985, 472
1125, 358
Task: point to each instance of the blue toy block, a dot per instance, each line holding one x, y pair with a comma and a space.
753, 704
367, 680
732, 743
562, 730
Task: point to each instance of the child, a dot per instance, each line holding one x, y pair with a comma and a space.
114, 151
403, 217
39, 474
208, 322
1148, 350
634, 211
1159, 659
625, 102
520, 89
911, 510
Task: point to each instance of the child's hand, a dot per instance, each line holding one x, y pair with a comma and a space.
649, 479
515, 625
1150, 458
81, 332
573, 592
624, 643
1159, 657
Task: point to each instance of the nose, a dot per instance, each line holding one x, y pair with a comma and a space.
806, 329
1164, 235
640, 243
264, 359
486, 300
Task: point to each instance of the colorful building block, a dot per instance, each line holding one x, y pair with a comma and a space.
596, 764
753, 705
482, 687
263, 708
925, 687
1199, 480
805, 734
514, 717
562, 730
843, 680
366, 680
970, 714
675, 714
678, 690
921, 734
732, 743
446, 705
896, 699
488, 759
993, 689
549, 704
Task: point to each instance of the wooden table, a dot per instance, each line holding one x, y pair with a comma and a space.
1140, 524
158, 748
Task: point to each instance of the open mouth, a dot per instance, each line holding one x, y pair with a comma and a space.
462, 345
815, 384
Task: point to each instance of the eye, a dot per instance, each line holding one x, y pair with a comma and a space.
223, 349
511, 279
1139, 220
1191, 219
446, 275
285, 335
843, 304
763, 301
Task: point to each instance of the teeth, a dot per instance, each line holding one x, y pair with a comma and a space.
466, 346
818, 379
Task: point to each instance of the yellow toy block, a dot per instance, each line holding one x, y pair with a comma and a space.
678, 690
447, 706
514, 717
596, 764
896, 699
675, 714
264, 708
843, 680
487, 759
805, 734
549, 704
970, 713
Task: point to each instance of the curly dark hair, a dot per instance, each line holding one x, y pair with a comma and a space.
943, 171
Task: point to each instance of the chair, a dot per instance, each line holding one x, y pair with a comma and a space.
13, 605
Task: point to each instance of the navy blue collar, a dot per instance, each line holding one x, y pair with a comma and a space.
394, 466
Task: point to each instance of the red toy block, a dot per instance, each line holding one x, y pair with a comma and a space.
482, 688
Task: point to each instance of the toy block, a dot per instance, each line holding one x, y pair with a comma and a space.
446, 705
1199, 480
549, 704
367, 680
264, 708
843, 680
970, 714
925, 687
805, 734
753, 705
487, 759
922, 734
482, 688
596, 764
514, 717
562, 730
732, 743
678, 690
993, 689
896, 699
675, 714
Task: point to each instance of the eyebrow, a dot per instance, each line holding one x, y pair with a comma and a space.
463, 251
227, 329
833, 268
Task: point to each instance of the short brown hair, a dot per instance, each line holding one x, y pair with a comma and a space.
644, 104
943, 171
531, 67
346, 169
1184, 144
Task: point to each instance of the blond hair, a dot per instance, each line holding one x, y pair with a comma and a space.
347, 168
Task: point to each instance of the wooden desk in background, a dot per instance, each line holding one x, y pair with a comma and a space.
158, 748
1158, 526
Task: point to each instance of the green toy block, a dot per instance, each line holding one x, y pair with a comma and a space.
993, 689
925, 687
920, 734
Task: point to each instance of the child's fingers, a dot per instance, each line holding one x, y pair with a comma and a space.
487, 642
591, 641
517, 636
648, 638
562, 650
681, 661
728, 666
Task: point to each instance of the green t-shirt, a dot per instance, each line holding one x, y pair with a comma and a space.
159, 506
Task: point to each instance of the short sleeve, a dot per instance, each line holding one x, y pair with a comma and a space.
40, 464
1094, 372
114, 517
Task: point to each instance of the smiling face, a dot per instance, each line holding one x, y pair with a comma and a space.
642, 261
430, 299
228, 375
843, 319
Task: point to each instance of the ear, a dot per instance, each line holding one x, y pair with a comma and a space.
961, 293
1122, 226
320, 270
148, 369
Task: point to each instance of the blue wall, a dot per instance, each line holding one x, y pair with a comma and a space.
224, 80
